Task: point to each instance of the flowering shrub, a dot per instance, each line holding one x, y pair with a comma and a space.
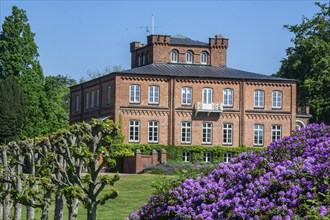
291, 180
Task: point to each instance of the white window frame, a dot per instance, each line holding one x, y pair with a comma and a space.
186, 98
258, 135
134, 94
174, 56
259, 97
277, 99
109, 94
154, 94
87, 101
227, 157
204, 58
276, 132
134, 131
97, 97
185, 132
153, 131
186, 156
207, 133
228, 97
189, 57
207, 94
207, 157
77, 103
227, 134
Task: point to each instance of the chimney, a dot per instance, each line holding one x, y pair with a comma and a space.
218, 50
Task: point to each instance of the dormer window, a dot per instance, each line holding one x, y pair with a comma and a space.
174, 56
204, 58
139, 60
189, 57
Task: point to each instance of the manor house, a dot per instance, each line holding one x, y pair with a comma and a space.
180, 91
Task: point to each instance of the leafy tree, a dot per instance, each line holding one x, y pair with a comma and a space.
308, 61
19, 58
93, 74
58, 96
12, 109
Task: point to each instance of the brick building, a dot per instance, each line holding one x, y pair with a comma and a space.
179, 91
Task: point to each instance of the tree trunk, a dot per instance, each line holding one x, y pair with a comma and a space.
17, 205
29, 213
73, 205
7, 207
59, 204
1, 211
45, 208
91, 211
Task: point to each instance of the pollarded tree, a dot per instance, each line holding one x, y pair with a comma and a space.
308, 61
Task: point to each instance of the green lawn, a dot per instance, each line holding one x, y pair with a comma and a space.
134, 191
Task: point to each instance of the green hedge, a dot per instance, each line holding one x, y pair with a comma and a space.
174, 153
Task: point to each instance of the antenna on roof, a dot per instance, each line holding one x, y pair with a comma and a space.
147, 28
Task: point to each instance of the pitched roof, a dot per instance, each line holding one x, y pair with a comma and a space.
198, 71
182, 40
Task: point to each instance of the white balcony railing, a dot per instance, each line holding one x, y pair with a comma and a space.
212, 107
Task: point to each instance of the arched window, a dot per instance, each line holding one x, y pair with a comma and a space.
189, 57
174, 56
204, 58
300, 124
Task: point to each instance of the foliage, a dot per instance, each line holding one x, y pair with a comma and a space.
93, 74
308, 61
174, 153
12, 109
58, 93
54, 164
46, 99
288, 181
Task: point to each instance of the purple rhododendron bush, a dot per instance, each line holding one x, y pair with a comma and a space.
288, 181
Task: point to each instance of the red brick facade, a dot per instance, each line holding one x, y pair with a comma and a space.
244, 119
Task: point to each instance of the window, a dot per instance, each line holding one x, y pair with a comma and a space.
174, 56
139, 60
277, 99
228, 156
207, 157
189, 57
276, 132
186, 156
258, 135
259, 98
228, 97
207, 133
109, 94
134, 130
87, 100
77, 103
185, 132
204, 58
153, 94
92, 99
207, 96
186, 95
97, 98
153, 132
144, 59
134, 94
227, 134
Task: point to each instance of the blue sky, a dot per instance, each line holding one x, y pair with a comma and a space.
76, 36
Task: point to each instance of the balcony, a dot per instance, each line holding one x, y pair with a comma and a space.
216, 107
